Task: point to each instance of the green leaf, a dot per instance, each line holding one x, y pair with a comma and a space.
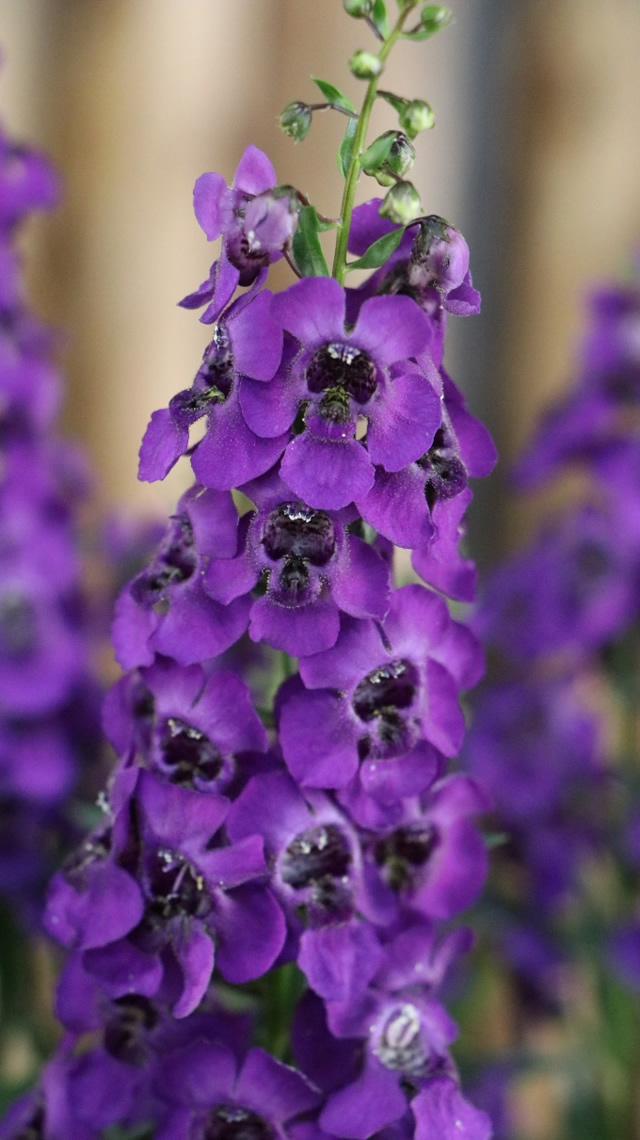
396, 101
379, 18
345, 154
306, 248
379, 252
333, 94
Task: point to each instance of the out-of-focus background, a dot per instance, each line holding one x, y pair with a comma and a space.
535, 156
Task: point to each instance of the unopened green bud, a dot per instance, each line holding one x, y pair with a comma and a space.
357, 8
388, 158
365, 65
402, 204
415, 117
295, 121
435, 17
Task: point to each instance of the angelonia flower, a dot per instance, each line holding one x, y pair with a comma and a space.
554, 738
49, 702
261, 926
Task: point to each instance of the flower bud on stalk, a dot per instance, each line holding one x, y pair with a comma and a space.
402, 204
295, 120
365, 65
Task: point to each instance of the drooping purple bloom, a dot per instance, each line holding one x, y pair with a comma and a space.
246, 347
255, 225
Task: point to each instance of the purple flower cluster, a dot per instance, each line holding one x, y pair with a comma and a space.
563, 616
48, 703
309, 855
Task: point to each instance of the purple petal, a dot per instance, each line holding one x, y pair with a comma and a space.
203, 293
179, 817
229, 578
313, 310
196, 959
255, 172
396, 506
270, 409
214, 519
442, 1113
212, 204
131, 629
197, 627
224, 282
109, 908
256, 339
404, 422
318, 740
367, 226
364, 1107
274, 1090
162, 445
444, 724
123, 969
298, 630
251, 930
328, 475
230, 453
360, 582
392, 328
201, 1075
340, 961
392, 780
359, 649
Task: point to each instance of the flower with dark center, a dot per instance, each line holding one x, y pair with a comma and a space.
315, 854
201, 903
371, 731
246, 349
400, 1045
165, 609
229, 1122
313, 570
446, 475
340, 373
188, 755
404, 852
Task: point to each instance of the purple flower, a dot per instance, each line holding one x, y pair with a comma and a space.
378, 713
165, 609
255, 224
314, 570
341, 375
27, 182
318, 877
247, 346
210, 1094
176, 722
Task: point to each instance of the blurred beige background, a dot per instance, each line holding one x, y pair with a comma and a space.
536, 156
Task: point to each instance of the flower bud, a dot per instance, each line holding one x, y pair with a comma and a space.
388, 158
357, 8
435, 17
365, 65
416, 116
439, 257
295, 121
402, 204
271, 219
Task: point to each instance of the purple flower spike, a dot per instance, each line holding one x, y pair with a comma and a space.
314, 570
165, 609
247, 346
343, 375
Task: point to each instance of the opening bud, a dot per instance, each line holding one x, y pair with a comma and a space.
402, 204
271, 219
295, 121
416, 116
435, 17
365, 65
388, 158
439, 257
357, 8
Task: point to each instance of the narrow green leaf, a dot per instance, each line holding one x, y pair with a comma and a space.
396, 101
379, 18
306, 248
418, 34
345, 154
379, 252
333, 94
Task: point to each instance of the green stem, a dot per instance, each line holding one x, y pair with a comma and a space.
339, 270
